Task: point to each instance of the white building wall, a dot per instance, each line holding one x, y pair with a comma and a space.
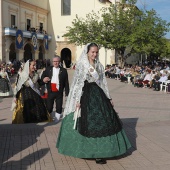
36, 11
23, 12
8, 10
39, 3
57, 24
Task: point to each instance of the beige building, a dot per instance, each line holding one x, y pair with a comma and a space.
34, 29
21, 27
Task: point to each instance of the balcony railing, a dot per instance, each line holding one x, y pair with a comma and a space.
26, 34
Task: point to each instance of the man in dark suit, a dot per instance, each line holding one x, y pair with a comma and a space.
56, 79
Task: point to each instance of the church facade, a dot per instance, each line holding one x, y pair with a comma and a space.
23, 26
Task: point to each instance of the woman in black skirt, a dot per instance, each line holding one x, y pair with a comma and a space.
28, 106
5, 85
91, 127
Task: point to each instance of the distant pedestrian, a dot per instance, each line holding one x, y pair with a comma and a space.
5, 84
56, 80
29, 107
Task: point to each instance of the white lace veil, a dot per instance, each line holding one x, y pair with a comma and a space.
84, 58
81, 70
24, 75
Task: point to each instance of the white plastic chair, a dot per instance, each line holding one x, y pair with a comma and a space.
165, 85
129, 82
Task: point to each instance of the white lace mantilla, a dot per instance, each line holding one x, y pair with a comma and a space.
80, 75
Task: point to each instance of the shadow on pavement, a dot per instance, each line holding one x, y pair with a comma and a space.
22, 145
2, 119
27, 161
130, 129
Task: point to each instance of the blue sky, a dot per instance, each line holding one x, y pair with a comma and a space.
162, 7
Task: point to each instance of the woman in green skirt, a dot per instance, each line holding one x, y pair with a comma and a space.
91, 127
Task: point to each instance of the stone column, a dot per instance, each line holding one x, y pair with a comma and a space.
7, 55
19, 54
36, 54
46, 55
7, 48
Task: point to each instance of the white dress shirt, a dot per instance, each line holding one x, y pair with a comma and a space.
163, 79
55, 77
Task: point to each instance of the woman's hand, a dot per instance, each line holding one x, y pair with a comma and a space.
14, 99
78, 105
46, 79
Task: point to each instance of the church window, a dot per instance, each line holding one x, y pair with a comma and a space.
13, 21
65, 7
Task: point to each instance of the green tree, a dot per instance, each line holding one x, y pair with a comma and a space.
122, 27
149, 31
85, 30
164, 48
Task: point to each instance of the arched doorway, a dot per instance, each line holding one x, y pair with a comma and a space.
41, 52
12, 53
66, 57
27, 52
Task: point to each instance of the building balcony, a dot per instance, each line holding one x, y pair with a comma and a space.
26, 34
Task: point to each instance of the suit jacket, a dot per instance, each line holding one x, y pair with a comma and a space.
63, 79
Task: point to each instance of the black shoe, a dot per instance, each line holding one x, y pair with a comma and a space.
101, 161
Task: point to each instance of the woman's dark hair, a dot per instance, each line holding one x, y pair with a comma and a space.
91, 45
30, 60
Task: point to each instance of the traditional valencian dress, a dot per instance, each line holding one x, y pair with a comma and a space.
94, 131
5, 85
30, 107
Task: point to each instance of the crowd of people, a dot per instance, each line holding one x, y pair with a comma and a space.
155, 76
9, 68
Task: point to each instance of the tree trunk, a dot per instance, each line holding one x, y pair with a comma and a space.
121, 61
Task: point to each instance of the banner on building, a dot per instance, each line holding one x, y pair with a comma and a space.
19, 39
34, 40
46, 41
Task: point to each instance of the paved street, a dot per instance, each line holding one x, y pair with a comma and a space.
146, 117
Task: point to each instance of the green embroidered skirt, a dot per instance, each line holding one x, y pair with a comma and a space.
99, 132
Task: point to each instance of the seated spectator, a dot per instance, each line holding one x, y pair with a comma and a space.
153, 73
122, 72
147, 79
166, 67
107, 71
134, 73
138, 79
117, 73
124, 75
110, 71
161, 80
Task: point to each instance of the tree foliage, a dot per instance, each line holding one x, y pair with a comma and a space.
121, 27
